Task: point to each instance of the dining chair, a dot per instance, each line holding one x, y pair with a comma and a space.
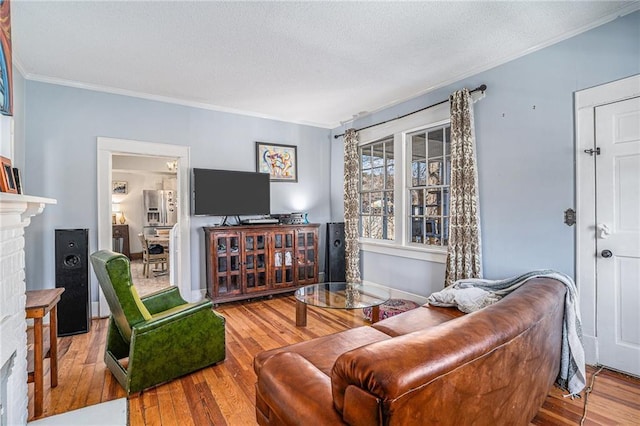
152, 258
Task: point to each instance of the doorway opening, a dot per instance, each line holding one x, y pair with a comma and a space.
113, 157
144, 215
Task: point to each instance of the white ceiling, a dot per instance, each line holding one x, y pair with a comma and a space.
316, 63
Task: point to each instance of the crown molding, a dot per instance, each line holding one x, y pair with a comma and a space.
623, 11
165, 99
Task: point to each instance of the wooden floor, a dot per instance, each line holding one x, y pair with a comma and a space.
224, 394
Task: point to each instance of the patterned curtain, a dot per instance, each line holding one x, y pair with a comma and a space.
464, 256
351, 208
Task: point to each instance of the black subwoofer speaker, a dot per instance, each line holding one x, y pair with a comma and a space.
72, 274
335, 270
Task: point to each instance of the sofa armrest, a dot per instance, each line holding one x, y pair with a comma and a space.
162, 300
279, 385
173, 315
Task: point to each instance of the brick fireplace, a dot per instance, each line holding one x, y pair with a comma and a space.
16, 212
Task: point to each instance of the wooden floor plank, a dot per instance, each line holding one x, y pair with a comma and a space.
225, 393
136, 416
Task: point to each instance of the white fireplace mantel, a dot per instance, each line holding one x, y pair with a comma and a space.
16, 211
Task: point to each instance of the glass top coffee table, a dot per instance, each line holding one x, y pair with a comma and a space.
339, 296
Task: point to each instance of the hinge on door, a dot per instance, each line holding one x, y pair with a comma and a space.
592, 151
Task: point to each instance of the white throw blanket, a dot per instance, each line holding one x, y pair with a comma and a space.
470, 295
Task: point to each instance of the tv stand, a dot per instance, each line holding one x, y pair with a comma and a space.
247, 261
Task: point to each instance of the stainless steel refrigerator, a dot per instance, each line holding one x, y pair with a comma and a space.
160, 208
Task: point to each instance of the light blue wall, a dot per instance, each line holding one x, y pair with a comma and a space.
63, 123
526, 156
18, 119
525, 149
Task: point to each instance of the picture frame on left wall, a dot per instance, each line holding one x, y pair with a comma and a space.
6, 61
7, 181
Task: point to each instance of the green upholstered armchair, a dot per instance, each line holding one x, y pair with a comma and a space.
162, 335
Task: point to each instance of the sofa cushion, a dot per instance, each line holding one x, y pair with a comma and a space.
323, 351
416, 319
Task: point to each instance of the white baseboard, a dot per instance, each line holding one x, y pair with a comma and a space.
95, 309
590, 349
197, 295
399, 294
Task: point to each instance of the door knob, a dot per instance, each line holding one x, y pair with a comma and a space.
606, 254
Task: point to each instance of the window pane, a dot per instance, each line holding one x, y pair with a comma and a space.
390, 177
365, 226
447, 172
365, 157
366, 180
388, 196
419, 173
378, 178
433, 198
447, 133
417, 202
365, 203
433, 211
391, 228
418, 147
435, 173
376, 227
388, 148
435, 143
417, 229
378, 155
376, 203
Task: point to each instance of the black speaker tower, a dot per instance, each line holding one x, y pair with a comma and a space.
335, 270
72, 274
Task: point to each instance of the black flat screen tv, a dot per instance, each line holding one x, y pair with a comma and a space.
230, 193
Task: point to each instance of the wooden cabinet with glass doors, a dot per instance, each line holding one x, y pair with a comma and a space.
250, 261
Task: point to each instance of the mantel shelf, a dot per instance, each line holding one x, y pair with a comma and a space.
6, 197
22, 206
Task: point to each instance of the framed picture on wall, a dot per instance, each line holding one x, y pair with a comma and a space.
6, 69
280, 161
7, 181
119, 187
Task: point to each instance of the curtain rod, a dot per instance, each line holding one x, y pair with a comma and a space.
480, 88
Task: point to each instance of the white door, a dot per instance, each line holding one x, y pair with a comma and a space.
617, 135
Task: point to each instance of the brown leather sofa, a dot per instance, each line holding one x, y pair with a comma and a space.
426, 366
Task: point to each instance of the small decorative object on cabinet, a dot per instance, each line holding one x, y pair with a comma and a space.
251, 261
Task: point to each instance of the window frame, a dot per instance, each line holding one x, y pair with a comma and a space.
370, 190
401, 245
443, 216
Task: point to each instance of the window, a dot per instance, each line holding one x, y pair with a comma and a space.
418, 185
377, 173
430, 164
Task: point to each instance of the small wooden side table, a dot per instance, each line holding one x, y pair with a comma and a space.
39, 304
